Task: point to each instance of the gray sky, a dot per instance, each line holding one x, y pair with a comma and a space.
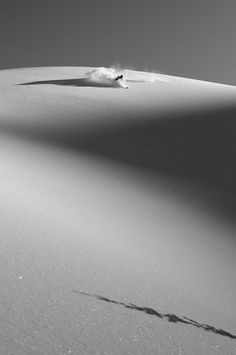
186, 38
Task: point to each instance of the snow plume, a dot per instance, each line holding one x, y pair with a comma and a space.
142, 76
102, 74
107, 76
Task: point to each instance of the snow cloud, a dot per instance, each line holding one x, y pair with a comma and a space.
108, 77
117, 77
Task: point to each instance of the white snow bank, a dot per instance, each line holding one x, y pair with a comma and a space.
107, 76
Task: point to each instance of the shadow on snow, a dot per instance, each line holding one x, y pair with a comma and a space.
173, 318
79, 82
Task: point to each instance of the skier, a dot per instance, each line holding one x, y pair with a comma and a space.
119, 77
123, 82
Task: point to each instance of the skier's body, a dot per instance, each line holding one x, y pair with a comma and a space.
123, 82
119, 77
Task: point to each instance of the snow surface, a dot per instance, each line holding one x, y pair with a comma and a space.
89, 225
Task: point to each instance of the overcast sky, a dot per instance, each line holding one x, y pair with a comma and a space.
187, 38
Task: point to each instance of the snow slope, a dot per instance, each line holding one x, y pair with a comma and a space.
117, 212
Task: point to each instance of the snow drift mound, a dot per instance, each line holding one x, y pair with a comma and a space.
108, 77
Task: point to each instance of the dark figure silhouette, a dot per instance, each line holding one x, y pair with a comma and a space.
119, 77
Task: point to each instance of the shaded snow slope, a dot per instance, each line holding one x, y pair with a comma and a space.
117, 212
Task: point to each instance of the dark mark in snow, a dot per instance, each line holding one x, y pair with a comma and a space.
169, 317
78, 82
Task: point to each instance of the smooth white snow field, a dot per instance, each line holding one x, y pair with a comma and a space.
117, 214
